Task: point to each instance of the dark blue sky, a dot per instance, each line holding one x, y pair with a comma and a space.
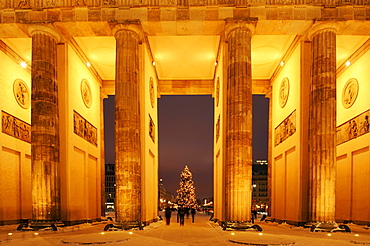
186, 138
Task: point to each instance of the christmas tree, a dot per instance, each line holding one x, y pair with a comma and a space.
186, 192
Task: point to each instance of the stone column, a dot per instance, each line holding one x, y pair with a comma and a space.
322, 124
45, 128
238, 168
127, 126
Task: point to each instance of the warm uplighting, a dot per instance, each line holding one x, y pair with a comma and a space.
153, 62
329, 234
260, 233
348, 63
233, 233
282, 63
23, 64
88, 64
356, 235
102, 233
36, 233
10, 233
130, 232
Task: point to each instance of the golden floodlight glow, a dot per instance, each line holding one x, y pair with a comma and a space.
260, 233
282, 63
36, 233
233, 233
329, 234
356, 235
215, 63
102, 233
153, 62
88, 64
348, 63
130, 232
10, 233
23, 64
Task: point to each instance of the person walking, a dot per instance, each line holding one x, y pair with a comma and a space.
192, 214
182, 215
167, 214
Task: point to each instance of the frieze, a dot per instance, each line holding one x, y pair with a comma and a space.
22, 4
285, 129
85, 129
15, 127
353, 128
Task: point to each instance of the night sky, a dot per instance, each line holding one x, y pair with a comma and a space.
186, 138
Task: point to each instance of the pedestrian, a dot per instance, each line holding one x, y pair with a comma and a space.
181, 214
167, 214
192, 214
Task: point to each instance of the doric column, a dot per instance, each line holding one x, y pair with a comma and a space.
127, 126
238, 168
322, 124
45, 127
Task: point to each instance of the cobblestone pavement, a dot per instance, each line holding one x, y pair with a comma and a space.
202, 232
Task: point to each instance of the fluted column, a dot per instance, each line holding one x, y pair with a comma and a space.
45, 127
127, 127
322, 125
238, 190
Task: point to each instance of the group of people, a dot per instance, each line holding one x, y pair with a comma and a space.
181, 212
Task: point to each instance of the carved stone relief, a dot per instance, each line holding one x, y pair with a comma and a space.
353, 128
85, 129
285, 129
349, 93
151, 90
15, 127
151, 129
86, 93
21, 93
217, 91
283, 92
218, 129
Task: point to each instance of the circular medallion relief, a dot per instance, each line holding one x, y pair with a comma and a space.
217, 91
86, 93
349, 93
284, 92
151, 91
21, 93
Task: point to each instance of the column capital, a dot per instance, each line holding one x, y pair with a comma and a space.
130, 26
320, 26
245, 23
44, 29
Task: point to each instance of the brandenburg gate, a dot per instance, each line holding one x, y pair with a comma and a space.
60, 59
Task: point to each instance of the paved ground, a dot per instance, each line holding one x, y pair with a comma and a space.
202, 232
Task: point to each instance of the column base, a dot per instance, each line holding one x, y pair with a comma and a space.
39, 225
329, 226
240, 225
124, 225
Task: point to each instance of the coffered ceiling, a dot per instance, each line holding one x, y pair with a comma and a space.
190, 57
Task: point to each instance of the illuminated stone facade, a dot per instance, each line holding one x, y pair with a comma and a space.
318, 167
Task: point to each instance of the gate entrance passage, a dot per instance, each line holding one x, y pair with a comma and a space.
59, 60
